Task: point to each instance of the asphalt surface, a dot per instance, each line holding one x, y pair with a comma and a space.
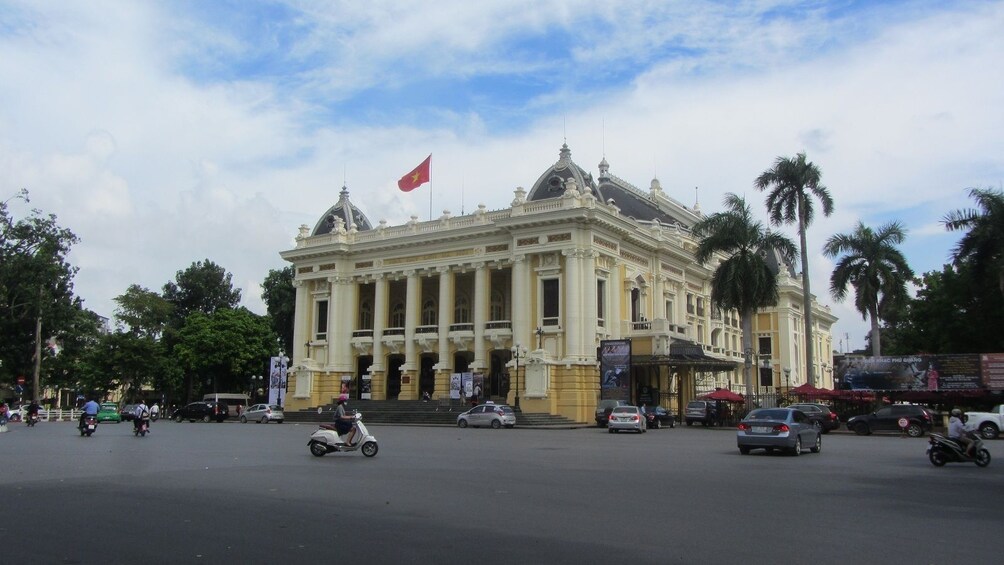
232, 493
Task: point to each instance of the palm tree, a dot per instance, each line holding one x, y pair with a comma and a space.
794, 181
984, 242
875, 268
743, 280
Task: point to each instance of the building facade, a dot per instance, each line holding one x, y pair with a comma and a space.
524, 296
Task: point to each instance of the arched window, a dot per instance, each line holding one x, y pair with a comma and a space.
430, 313
366, 315
498, 306
462, 310
397, 315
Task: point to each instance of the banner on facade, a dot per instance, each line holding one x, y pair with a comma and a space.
455, 386
956, 372
346, 389
615, 369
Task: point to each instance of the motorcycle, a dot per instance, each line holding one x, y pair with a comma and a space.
141, 428
943, 450
32, 420
89, 425
326, 439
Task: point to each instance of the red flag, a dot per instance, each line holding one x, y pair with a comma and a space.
417, 177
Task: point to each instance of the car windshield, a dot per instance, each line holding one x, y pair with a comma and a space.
768, 415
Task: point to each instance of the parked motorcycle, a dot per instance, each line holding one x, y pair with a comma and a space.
326, 439
941, 450
89, 425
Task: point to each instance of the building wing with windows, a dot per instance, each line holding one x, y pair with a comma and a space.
576, 260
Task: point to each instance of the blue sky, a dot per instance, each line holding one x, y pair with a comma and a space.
167, 132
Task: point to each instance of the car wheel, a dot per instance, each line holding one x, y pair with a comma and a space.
178, 419
983, 458
937, 457
861, 429
264, 420
744, 450
244, 419
989, 431
658, 424
462, 423
914, 430
496, 424
798, 447
819, 444
206, 418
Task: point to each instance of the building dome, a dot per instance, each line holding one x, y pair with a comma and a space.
345, 211
551, 184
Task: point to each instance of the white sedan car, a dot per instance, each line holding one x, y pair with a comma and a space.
626, 418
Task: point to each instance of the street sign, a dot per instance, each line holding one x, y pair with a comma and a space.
20, 380
903, 423
19, 389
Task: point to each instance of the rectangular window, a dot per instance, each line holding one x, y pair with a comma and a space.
690, 303
669, 312
601, 292
321, 333
766, 376
551, 302
764, 346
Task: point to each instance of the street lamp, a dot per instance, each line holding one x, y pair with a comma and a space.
517, 352
787, 376
256, 383
283, 366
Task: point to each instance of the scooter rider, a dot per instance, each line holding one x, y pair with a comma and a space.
344, 421
33, 409
90, 409
142, 413
957, 431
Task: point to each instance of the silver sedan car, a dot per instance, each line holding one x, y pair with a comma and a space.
263, 414
783, 429
626, 418
490, 415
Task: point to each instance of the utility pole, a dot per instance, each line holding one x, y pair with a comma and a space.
38, 349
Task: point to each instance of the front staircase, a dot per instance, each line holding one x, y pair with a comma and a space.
417, 412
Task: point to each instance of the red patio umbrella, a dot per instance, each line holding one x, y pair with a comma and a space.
809, 390
723, 394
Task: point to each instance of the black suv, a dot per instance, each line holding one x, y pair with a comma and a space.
604, 408
886, 419
819, 414
205, 411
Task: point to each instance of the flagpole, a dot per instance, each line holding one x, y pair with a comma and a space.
431, 187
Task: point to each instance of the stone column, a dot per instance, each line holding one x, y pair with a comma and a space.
335, 328
340, 356
301, 326
481, 299
379, 323
445, 317
615, 293
573, 321
521, 299
589, 300
412, 310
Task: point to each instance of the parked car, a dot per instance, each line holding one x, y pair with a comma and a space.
820, 415
657, 417
626, 418
703, 411
778, 428
202, 410
109, 412
603, 410
886, 419
488, 415
988, 424
263, 414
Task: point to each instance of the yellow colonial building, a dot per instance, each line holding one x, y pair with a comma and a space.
524, 296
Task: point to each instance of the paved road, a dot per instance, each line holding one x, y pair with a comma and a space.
232, 493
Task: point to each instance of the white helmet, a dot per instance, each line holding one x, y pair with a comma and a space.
956, 412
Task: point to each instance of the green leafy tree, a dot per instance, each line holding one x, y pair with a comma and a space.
225, 348
792, 184
983, 243
280, 300
36, 287
143, 311
876, 269
203, 287
743, 280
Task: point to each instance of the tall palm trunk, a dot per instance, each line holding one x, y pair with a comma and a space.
876, 332
810, 376
747, 322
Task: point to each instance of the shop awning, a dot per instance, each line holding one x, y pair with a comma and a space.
684, 354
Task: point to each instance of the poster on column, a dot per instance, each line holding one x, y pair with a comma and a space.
455, 386
346, 389
467, 384
274, 379
367, 391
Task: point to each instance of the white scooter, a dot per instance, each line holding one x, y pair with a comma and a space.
326, 439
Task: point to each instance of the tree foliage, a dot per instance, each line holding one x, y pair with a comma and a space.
876, 269
143, 311
792, 184
743, 280
983, 242
280, 300
224, 348
203, 287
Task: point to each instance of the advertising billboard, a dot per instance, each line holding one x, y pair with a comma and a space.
954, 372
615, 369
